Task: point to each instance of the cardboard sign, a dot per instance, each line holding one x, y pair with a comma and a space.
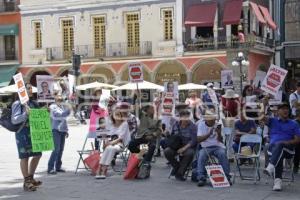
273, 80
168, 104
40, 130
22, 92
217, 176
135, 72
45, 87
227, 78
213, 96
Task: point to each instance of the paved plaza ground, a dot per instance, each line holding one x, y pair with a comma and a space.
83, 186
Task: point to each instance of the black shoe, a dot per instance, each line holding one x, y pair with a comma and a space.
52, 172
61, 170
201, 182
157, 155
113, 162
173, 172
180, 178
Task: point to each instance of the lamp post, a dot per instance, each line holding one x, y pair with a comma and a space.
240, 61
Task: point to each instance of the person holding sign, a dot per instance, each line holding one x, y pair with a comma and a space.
210, 138
59, 114
295, 100
20, 115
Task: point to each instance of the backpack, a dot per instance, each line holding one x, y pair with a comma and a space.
144, 170
5, 120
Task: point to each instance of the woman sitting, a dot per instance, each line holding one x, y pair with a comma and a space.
118, 127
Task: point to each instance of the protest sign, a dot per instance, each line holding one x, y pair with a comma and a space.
273, 81
226, 78
45, 87
40, 130
217, 176
259, 78
22, 92
213, 96
135, 72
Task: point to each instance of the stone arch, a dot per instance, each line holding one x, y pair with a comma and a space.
207, 70
63, 72
101, 73
170, 70
125, 74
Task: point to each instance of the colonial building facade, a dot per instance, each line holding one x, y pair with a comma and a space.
185, 41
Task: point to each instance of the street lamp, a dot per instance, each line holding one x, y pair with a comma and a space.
240, 61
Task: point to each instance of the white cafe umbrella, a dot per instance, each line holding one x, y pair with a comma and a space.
95, 85
145, 85
191, 86
12, 89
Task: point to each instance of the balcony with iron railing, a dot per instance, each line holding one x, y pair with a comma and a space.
226, 43
8, 56
8, 6
109, 50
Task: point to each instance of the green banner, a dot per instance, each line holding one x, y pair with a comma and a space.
40, 130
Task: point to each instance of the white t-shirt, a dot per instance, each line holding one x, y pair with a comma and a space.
203, 129
122, 131
294, 96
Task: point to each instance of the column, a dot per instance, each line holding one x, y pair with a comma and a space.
189, 76
271, 13
215, 29
228, 35
179, 30
193, 32
246, 24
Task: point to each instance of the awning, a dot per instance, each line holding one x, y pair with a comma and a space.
257, 13
268, 17
232, 12
6, 74
201, 15
12, 29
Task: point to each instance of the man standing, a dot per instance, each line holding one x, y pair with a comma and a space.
209, 135
59, 114
295, 100
284, 135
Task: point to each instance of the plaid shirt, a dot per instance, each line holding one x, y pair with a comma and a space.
188, 134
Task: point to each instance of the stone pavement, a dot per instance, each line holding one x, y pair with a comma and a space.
83, 186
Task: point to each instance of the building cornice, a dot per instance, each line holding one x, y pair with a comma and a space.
82, 6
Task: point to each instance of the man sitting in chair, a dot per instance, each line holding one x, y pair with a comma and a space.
147, 133
186, 132
210, 138
284, 136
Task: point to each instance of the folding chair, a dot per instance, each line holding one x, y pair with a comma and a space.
85, 152
253, 139
124, 156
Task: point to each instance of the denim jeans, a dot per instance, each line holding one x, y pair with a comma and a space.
219, 153
56, 155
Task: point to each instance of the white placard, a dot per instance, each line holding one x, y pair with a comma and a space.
213, 96
273, 80
104, 99
135, 72
22, 92
259, 78
217, 176
227, 78
45, 88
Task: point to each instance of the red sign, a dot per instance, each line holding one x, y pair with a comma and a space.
273, 80
217, 176
135, 72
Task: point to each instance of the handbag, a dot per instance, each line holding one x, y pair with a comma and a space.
92, 161
132, 167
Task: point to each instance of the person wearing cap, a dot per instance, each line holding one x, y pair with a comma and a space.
147, 133
230, 103
210, 138
120, 138
284, 136
59, 114
186, 130
294, 100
